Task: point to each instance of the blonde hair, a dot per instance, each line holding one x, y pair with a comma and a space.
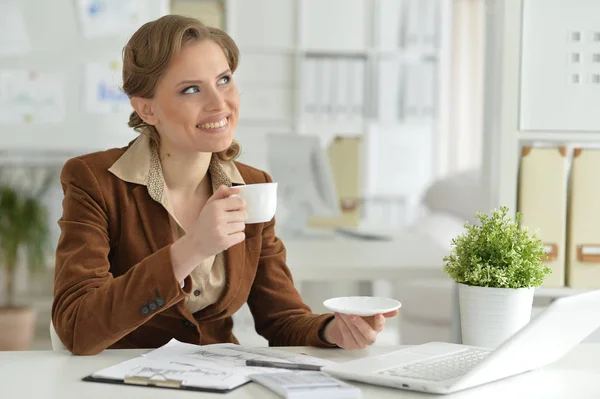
147, 55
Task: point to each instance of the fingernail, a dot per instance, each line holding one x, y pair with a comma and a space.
353, 318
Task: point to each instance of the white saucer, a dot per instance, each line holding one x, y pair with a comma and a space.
362, 305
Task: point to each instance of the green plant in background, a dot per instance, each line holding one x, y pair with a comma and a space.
23, 225
498, 253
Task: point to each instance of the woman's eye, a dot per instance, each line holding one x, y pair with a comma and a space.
190, 90
225, 79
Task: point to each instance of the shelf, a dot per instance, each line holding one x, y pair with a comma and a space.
408, 56
339, 128
267, 50
333, 53
558, 136
258, 122
422, 55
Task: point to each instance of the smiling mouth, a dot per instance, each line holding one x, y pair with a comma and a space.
214, 125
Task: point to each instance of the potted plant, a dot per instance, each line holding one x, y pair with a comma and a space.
24, 237
497, 264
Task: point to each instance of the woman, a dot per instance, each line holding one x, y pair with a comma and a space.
153, 244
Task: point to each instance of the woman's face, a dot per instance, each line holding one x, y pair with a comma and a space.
196, 102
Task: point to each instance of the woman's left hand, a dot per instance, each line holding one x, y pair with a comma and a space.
355, 332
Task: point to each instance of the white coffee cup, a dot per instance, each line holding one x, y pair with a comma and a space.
261, 201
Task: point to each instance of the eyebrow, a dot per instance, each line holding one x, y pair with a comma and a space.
186, 82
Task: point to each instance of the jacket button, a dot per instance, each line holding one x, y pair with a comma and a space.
144, 310
152, 306
159, 301
188, 324
197, 292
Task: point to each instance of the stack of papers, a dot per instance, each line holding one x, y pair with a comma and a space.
219, 367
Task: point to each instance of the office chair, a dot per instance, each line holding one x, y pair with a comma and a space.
57, 344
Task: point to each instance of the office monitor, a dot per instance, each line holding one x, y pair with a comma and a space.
305, 181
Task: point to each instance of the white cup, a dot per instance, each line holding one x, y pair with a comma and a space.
261, 201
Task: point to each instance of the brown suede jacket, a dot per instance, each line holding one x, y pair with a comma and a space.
114, 285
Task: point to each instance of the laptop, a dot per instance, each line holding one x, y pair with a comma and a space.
439, 367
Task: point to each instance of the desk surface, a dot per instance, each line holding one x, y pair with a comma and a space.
409, 255
57, 375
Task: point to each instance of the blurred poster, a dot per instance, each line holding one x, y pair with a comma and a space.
31, 97
98, 18
102, 86
13, 33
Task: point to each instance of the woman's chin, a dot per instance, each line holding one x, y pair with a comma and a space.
213, 145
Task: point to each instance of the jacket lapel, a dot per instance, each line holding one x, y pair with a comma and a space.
153, 218
235, 257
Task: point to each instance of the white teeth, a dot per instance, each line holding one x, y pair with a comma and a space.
214, 125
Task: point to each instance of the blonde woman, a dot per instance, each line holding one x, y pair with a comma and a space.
153, 244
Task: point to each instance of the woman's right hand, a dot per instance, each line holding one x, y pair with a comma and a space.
220, 225
221, 222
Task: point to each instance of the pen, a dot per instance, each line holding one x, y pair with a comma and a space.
282, 365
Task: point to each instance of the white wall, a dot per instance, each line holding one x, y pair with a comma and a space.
58, 47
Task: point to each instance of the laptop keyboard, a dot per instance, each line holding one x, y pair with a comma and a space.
442, 368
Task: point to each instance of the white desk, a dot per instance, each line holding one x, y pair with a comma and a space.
410, 255
57, 375
341, 258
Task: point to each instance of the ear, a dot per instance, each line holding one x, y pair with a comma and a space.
143, 107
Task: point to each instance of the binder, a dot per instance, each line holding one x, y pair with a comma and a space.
344, 155
389, 89
583, 268
326, 75
357, 85
342, 109
310, 85
542, 202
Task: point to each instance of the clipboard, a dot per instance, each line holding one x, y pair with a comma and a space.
153, 383
216, 368
171, 373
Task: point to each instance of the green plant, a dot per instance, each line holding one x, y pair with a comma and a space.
23, 225
497, 252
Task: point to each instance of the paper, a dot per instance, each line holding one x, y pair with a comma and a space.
31, 97
220, 366
98, 18
103, 94
229, 354
13, 33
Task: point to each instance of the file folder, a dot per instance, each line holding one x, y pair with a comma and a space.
542, 202
583, 268
345, 158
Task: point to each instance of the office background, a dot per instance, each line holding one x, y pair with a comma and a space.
412, 100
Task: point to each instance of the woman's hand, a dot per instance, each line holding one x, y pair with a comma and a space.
220, 225
221, 222
355, 332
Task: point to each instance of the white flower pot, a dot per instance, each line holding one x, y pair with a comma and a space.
489, 316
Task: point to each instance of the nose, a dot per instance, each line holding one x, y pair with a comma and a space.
215, 101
